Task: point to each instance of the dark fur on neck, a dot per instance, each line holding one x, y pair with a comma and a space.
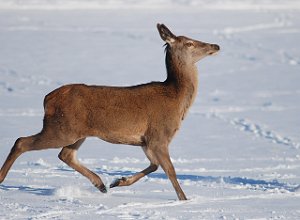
172, 70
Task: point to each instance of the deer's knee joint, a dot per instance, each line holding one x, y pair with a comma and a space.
62, 156
65, 155
19, 146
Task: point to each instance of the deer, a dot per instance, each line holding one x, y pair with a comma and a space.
146, 115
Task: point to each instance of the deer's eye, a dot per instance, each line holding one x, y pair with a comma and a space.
189, 44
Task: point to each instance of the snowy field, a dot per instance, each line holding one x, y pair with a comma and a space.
237, 154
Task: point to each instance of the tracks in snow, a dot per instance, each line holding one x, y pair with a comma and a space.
256, 129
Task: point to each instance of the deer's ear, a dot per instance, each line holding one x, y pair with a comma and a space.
165, 34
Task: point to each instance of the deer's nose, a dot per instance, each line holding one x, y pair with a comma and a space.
216, 47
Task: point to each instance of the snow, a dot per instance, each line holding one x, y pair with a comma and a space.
237, 154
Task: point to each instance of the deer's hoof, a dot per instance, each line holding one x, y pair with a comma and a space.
118, 182
102, 188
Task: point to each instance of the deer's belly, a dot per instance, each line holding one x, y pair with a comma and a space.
121, 138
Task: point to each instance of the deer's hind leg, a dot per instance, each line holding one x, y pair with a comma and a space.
68, 155
40, 141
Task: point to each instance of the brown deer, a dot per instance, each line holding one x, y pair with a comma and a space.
146, 115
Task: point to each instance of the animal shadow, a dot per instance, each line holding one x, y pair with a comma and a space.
253, 184
29, 189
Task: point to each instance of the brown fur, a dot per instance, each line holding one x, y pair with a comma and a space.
145, 115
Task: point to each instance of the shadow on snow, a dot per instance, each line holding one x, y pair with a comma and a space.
29, 189
242, 181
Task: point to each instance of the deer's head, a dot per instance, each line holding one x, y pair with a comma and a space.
184, 48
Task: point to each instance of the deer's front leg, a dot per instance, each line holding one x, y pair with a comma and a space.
127, 181
166, 163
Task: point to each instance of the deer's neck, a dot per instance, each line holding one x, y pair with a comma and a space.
184, 77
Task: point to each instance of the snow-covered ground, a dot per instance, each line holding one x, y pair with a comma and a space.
237, 154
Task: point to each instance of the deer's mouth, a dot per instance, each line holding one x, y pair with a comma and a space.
213, 53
